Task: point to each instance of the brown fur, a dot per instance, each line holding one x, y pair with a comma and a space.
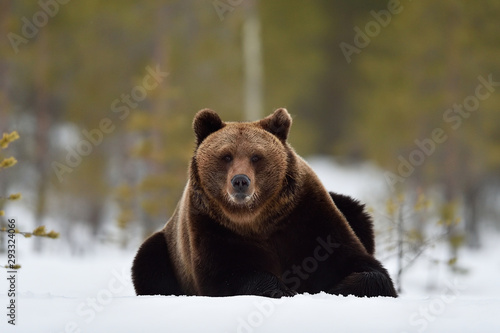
229, 240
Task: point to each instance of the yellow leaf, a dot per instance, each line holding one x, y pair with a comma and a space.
8, 162
15, 196
53, 234
8, 138
40, 231
13, 136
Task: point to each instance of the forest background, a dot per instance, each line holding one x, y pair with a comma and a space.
102, 95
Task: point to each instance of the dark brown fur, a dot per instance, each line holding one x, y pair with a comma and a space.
280, 234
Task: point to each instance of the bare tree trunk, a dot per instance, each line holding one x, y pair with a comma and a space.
400, 244
452, 171
471, 219
252, 59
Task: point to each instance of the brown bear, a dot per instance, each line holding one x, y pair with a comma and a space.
254, 219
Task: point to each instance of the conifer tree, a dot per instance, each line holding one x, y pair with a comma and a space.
417, 110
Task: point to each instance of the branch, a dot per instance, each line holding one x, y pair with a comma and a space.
38, 232
8, 138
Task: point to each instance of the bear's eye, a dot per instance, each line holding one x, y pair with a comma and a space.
255, 158
227, 158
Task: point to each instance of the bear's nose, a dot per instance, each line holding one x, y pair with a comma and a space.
240, 183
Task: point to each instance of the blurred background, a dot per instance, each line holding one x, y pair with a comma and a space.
102, 95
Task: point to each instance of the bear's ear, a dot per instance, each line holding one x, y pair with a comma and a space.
205, 123
278, 123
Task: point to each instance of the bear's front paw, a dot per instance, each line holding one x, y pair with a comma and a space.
278, 293
277, 289
260, 284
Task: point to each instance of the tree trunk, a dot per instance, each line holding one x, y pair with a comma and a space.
400, 244
252, 62
471, 217
453, 177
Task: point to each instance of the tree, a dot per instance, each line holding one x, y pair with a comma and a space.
414, 230
420, 86
10, 227
252, 60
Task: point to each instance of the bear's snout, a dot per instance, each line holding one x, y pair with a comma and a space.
241, 191
240, 183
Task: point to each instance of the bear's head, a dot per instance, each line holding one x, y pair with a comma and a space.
241, 167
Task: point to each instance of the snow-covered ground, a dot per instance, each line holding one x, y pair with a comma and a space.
93, 293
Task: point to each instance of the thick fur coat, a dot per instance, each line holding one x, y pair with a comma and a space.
254, 219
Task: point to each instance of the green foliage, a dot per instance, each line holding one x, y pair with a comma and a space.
427, 60
448, 214
124, 196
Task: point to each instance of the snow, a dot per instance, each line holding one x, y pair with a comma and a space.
93, 293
